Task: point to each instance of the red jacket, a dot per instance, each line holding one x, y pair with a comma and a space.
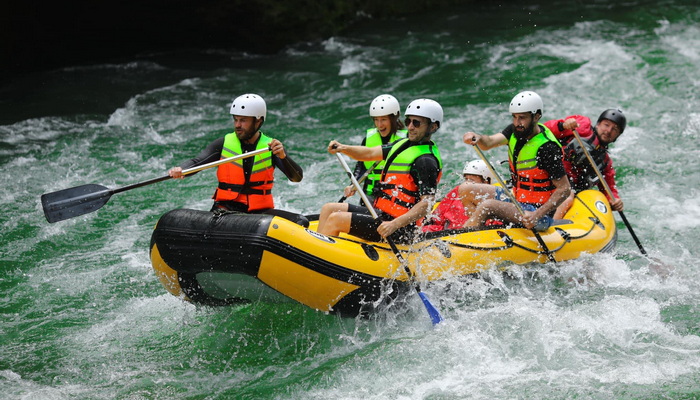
565, 136
450, 214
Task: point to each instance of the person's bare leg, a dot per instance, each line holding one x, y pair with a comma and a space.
336, 222
565, 206
492, 208
327, 210
472, 194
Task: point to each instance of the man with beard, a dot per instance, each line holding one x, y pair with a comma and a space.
610, 125
245, 185
407, 185
539, 180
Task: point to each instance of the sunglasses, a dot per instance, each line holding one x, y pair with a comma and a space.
415, 122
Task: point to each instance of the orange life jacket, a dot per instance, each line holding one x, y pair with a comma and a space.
397, 192
256, 190
531, 183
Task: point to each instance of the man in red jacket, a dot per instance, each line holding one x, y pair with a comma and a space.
608, 128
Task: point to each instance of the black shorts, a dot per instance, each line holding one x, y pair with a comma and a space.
364, 226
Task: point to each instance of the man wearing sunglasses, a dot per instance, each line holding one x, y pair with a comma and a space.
246, 185
408, 183
539, 180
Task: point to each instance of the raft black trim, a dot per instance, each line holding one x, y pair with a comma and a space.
180, 238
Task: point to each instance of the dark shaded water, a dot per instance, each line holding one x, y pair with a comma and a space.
83, 315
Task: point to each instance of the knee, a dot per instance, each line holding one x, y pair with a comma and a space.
328, 208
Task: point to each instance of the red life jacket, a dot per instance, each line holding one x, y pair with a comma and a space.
449, 214
256, 190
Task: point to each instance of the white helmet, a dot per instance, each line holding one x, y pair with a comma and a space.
427, 108
478, 167
384, 104
249, 105
526, 102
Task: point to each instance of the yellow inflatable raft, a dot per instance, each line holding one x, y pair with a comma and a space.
223, 259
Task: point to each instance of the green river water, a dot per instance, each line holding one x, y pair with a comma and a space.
82, 315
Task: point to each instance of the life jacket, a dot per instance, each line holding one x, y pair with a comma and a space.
582, 175
449, 214
531, 183
374, 139
255, 190
396, 192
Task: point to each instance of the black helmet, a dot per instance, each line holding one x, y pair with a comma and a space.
615, 115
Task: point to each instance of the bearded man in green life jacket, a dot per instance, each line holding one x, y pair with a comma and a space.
540, 183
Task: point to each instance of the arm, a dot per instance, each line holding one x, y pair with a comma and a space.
290, 168
425, 171
564, 128
360, 153
609, 175
484, 142
284, 163
211, 153
420, 210
561, 193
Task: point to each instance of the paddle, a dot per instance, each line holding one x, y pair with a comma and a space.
515, 203
660, 268
79, 200
609, 192
362, 178
435, 316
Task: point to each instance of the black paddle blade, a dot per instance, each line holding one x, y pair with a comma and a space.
72, 202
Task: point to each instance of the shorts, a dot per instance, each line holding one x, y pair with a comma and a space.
542, 225
364, 226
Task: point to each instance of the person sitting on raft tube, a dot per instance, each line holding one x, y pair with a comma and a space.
388, 128
246, 185
450, 213
407, 184
610, 125
539, 180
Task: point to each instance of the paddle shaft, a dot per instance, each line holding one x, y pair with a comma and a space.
191, 171
79, 200
609, 192
432, 310
515, 202
362, 178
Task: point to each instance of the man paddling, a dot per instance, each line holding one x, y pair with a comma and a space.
407, 185
246, 185
610, 125
539, 179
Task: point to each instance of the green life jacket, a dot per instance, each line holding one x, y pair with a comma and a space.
531, 183
374, 139
397, 192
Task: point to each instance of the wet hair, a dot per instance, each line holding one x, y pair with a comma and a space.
396, 123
